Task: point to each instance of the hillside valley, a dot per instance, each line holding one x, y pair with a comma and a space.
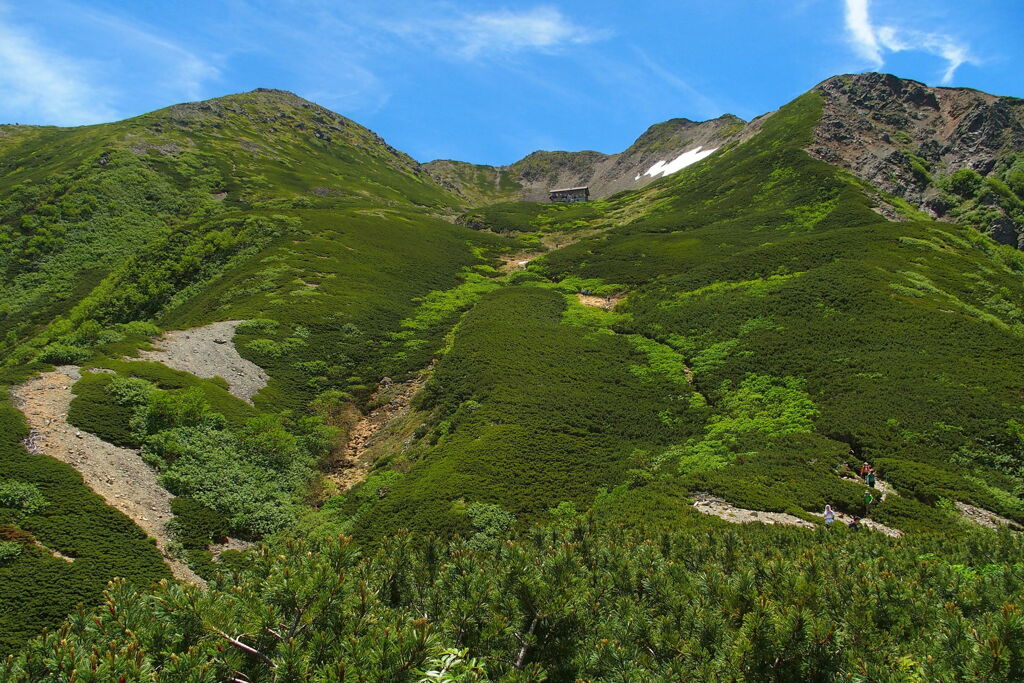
281, 403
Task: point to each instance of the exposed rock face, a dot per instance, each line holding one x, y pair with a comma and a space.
605, 174
904, 137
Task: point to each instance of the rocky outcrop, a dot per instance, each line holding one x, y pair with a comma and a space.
649, 158
904, 137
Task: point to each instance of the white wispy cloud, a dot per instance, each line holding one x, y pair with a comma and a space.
44, 86
41, 83
948, 48
871, 42
177, 68
486, 34
861, 32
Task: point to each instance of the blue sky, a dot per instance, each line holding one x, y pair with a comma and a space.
490, 82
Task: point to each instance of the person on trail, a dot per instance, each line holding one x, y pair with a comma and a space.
829, 515
865, 469
871, 479
854, 523
868, 502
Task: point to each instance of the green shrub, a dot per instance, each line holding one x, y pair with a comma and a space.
965, 182
139, 328
9, 551
490, 523
21, 496
257, 326
171, 409
63, 354
573, 601
129, 391
195, 525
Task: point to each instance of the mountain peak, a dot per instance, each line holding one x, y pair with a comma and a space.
906, 138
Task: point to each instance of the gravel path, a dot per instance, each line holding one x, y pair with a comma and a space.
984, 517
710, 505
118, 475
208, 352
842, 517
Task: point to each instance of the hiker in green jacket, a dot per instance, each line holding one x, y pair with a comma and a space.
869, 500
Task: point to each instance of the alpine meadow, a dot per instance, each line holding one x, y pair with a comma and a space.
282, 404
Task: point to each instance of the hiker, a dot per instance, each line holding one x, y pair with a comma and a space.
871, 479
869, 500
829, 515
865, 469
854, 523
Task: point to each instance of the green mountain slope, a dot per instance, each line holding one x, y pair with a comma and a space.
258, 207
77, 202
814, 332
740, 334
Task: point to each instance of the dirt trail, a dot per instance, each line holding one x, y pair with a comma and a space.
352, 467
606, 302
208, 352
883, 489
118, 475
984, 517
551, 241
55, 553
870, 524
513, 262
711, 505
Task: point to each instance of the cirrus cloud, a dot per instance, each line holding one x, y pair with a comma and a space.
44, 86
871, 42
477, 36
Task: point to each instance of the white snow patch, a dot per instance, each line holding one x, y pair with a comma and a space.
685, 159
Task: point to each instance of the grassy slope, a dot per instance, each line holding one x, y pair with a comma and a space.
899, 340
768, 262
476, 184
336, 287
317, 227
536, 411
78, 201
812, 325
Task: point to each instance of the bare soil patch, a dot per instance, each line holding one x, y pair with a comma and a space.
118, 475
393, 401
605, 302
230, 544
513, 262
984, 517
209, 352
